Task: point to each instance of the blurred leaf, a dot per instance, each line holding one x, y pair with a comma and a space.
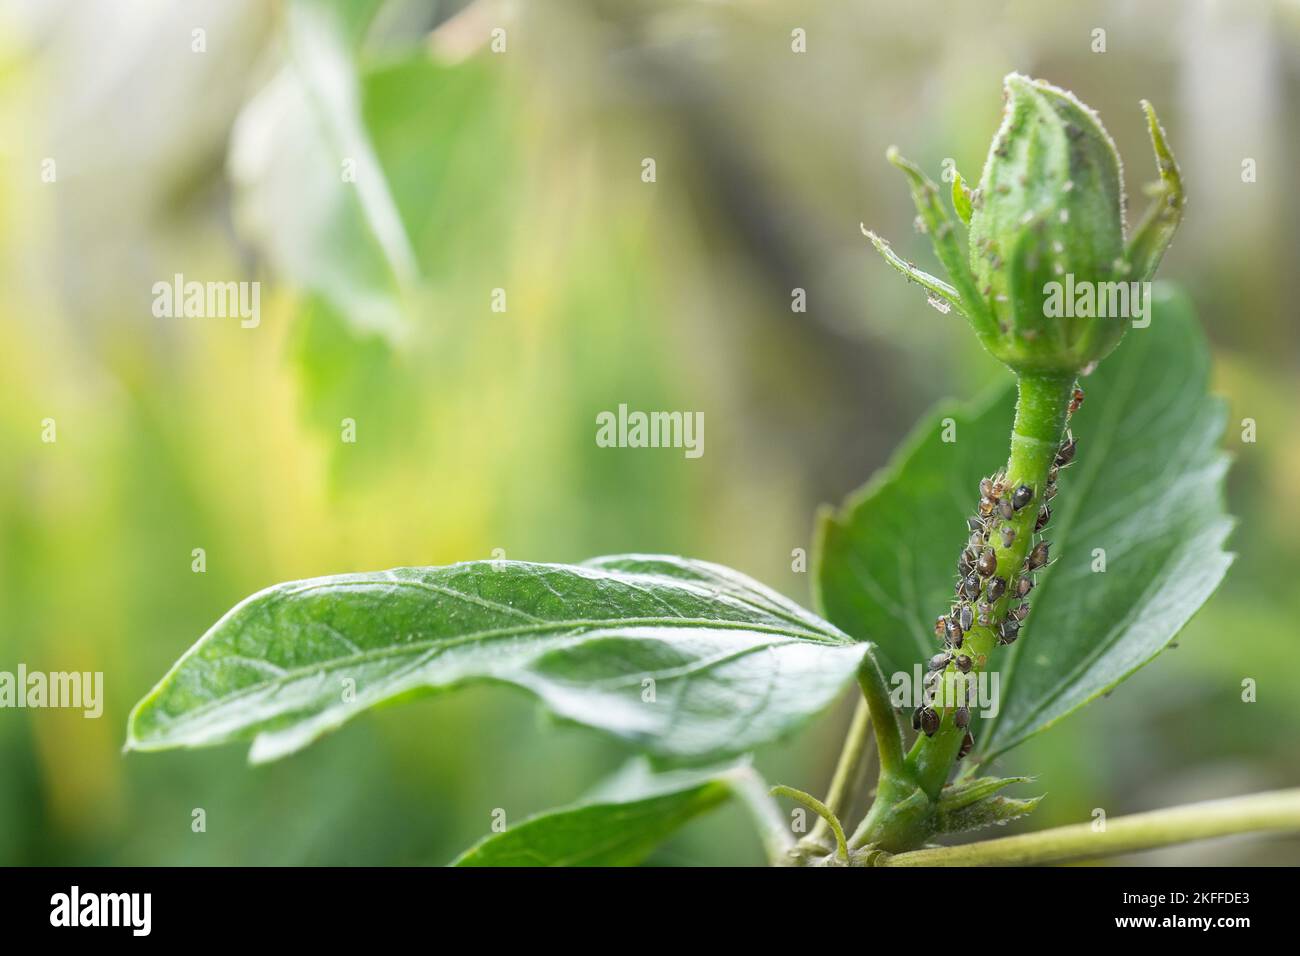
1147, 488
687, 659
309, 187
619, 824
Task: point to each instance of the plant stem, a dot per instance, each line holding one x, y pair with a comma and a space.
1278, 810
889, 735
1041, 411
902, 817
839, 798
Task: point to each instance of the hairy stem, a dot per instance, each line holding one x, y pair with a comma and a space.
1278, 811
1041, 412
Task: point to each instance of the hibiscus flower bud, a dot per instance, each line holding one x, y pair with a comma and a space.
1046, 277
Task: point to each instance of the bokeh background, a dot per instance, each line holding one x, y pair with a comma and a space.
522, 170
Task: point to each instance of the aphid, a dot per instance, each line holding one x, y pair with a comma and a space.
953, 635
1006, 509
986, 614
1044, 516
940, 661
988, 562
969, 587
975, 523
976, 542
916, 718
1009, 631
1076, 400
1050, 493
966, 563
967, 745
986, 488
963, 663
986, 506
997, 587
1008, 536
1053, 473
940, 625
1038, 557
965, 617
1023, 586
929, 721
1065, 454
1021, 497
1019, 612
961, 718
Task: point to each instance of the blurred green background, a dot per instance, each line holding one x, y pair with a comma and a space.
522, 170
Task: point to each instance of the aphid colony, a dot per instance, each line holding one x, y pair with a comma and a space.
980, 587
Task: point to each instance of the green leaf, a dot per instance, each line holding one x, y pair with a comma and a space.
689, 660
972, 804
1147, 488
961, 201
619, 823
310, 191
988, 812
1153, 234
964, 793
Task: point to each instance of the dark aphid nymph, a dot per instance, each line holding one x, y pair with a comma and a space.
929, 721
967, 745
1021, 497
1038, 557
1044, 516
1066, 453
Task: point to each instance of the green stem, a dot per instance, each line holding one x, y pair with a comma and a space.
1041, 412
1278, 810
875, 692
839, 798
822, 811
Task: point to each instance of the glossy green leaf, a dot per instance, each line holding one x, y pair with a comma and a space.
619, 823
1146, 490
689, 660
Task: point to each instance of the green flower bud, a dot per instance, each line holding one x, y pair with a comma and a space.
1050, 204
1046, 278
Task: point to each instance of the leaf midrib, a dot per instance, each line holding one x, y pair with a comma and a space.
579, 626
